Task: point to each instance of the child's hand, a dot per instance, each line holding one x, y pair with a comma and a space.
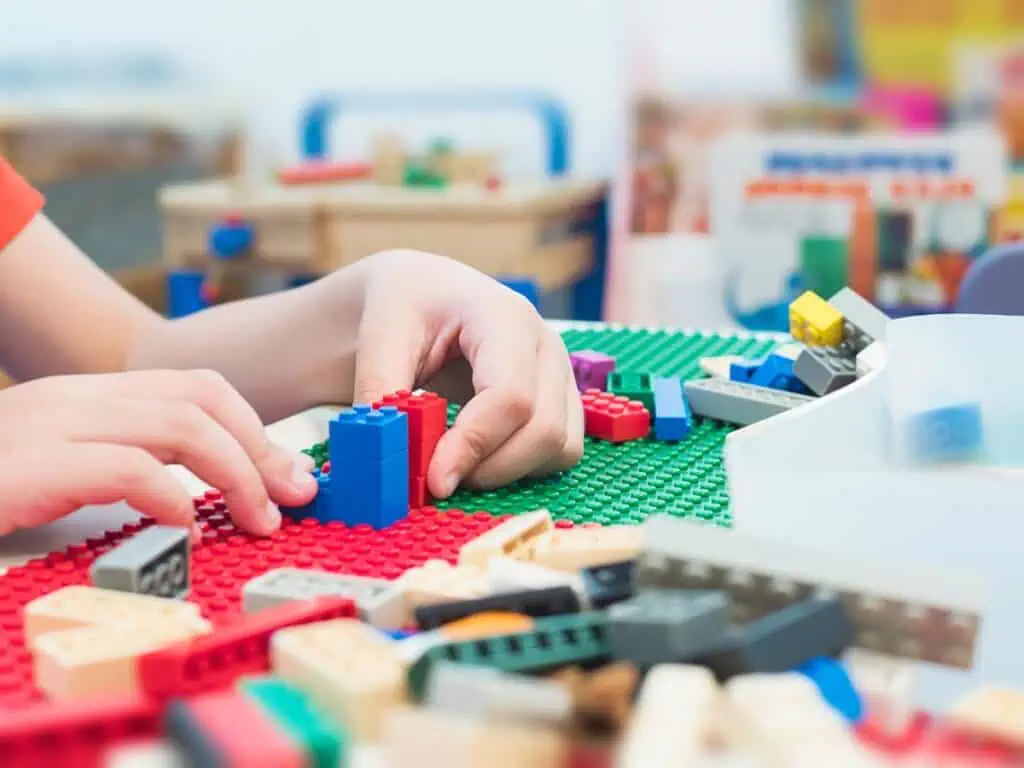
70, 441
423, 318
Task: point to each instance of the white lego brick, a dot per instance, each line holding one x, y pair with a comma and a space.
417, 737
887, 686
102, 659
993, 712
719, 367
489, 693
673, 720
572, 549
77, 606
507, 575
917, 613
512, 538
871, 358
350, 669
784, 722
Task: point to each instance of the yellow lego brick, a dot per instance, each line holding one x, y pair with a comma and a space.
102, 659
78, 606
814, 321
513, 538
574, 548
354, 672
991, 712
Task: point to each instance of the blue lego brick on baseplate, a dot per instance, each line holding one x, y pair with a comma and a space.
672, 417
374, 493
319, 508
951, 433
362, 433
835, 685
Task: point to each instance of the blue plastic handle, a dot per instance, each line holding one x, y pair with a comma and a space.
318, 117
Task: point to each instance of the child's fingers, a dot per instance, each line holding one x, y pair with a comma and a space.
504, 374
44, 484
539, 446
391, 343
283, 474
179, 432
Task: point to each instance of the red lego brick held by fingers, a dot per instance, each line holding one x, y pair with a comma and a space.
74, 734
212, 661
428, 420
614, 418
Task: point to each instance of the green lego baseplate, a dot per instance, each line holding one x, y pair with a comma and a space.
625, 483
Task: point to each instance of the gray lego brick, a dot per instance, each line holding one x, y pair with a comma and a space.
738, 403
663, 626
863, 322
782, 640
914, 613
155, 561
379, 602
825, 369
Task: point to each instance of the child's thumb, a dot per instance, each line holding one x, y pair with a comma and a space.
388, 358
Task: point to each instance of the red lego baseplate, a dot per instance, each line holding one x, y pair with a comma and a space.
226, 559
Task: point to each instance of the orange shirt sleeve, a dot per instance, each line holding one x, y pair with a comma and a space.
19, 203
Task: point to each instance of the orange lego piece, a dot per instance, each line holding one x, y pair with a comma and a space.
488, 624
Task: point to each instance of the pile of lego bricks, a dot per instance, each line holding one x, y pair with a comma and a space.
571, 620
527, 642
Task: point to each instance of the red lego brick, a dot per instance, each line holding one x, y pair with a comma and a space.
428, 420
232, 728
208, 662
225, 560
927, 740
614, 418
417, 491
74, 734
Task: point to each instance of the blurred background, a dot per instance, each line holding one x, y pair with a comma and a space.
648, 161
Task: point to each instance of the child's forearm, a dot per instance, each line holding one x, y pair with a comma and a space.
254, 344
59, 312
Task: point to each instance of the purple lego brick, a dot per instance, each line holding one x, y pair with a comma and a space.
591, 369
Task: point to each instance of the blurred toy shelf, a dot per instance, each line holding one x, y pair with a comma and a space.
545, 237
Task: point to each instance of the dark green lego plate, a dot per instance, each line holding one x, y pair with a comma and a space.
625, 483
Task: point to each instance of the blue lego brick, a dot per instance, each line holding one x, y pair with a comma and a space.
743, 370
320, 506
952, 433
835, 685
374, 493
777, 373
672, 417
362, 433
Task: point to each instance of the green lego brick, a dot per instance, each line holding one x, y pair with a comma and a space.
325, 745
555, 641
625, 483
635, 386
